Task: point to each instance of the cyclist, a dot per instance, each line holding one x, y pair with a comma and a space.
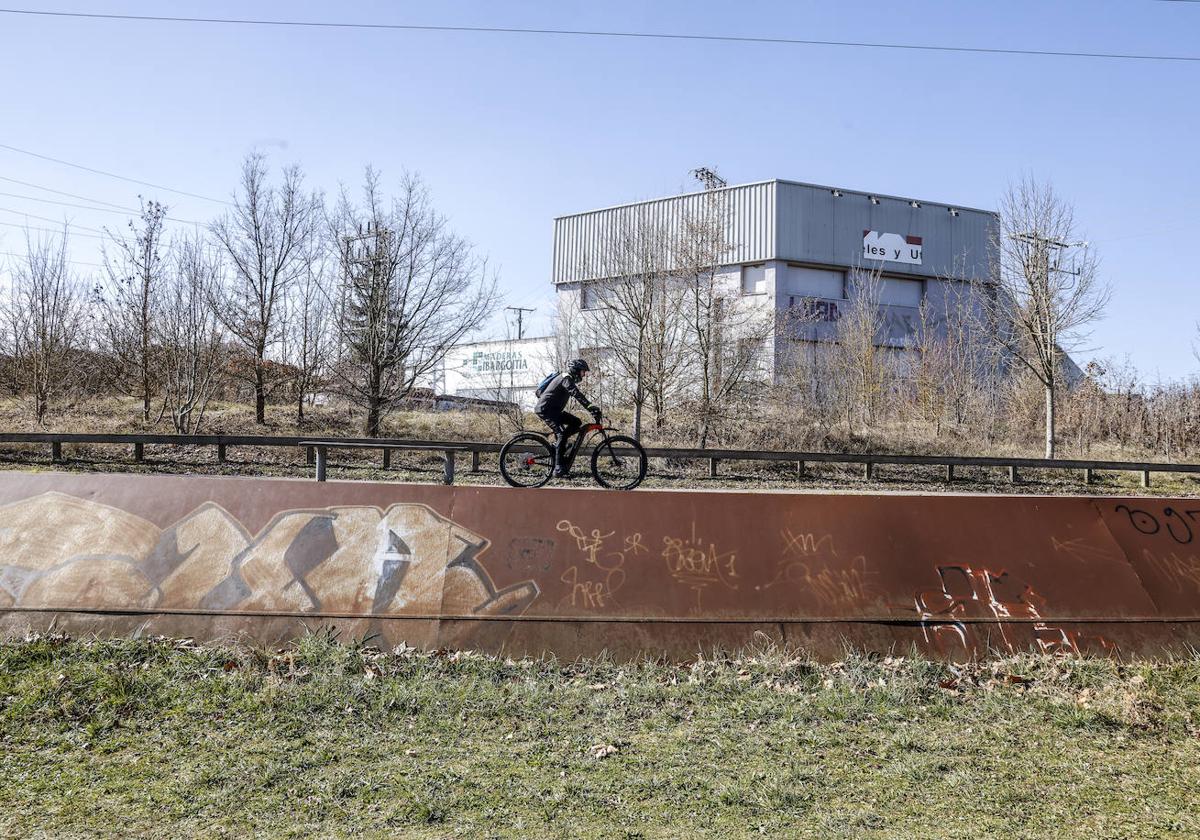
551, 407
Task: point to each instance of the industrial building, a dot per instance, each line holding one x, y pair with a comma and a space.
794, 248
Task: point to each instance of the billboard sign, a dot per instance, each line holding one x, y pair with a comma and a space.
891, 247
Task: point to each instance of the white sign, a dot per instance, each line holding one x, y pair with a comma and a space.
891, 247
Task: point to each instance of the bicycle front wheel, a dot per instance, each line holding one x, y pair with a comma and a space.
619, 463
527, 461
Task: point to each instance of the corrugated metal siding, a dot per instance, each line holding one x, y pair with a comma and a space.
579, 240
815, 226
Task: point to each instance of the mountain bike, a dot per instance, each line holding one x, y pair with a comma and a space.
618, 461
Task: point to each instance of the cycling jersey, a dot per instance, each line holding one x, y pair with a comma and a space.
561, 389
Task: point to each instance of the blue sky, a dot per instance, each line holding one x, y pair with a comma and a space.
510, 131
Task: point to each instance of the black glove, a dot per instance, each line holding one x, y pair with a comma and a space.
595, 413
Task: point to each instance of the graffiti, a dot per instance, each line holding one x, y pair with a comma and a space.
1078, 549
968, 593
804, 545
1179, 570
585, 594
698, 564
1178, 526
357, 560
607, 573
812, 563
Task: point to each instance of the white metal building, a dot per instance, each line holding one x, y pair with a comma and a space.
794, 246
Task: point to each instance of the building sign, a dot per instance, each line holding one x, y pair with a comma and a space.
891, 247
498, 361
506, 371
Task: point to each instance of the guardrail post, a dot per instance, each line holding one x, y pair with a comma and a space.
1087, 475
220, 453
712, 467
474, 460
800, 471
56, 451
1145, 478
949, 472
1012, 474
321, 458
138, 452
449, 478
309, 457
868, 470
387, 458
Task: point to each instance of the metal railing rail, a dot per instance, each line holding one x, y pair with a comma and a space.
869, 461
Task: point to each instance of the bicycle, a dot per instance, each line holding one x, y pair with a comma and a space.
618, 461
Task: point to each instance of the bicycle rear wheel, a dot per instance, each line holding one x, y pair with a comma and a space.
619, 463
527, 461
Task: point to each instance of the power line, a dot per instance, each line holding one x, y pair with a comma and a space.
26, 256
60, 192
123, 211
591, 33
58, 231
102, 172
46, 219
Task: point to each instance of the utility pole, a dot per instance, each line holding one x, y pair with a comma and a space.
520, 310
709, 178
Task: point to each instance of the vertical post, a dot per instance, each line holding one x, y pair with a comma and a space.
56, 451
320, 462
1012, 474
309, 457
220, 453
868, 470
139, 453
712, 467
474, 460
800, 471
387, 458
449, 478
1145, 478
1087, 475
949, 473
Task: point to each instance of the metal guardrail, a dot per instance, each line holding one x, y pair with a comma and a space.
869, 461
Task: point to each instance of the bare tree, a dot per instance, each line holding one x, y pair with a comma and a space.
1047, 288
726, 335
309, 330
638, 317
955, 357
858, 358
267, 238
130, 303
411, 289
190, 334
46, 321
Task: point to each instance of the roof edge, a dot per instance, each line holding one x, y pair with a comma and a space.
790, 182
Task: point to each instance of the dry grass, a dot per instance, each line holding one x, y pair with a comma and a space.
153, 738
112, 415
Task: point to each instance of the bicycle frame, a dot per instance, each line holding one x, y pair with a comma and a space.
585, 431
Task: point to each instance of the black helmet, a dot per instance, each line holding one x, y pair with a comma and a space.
577, 366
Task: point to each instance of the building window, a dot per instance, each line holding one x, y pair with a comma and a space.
754, 279
589, 297
816, 283
894, 291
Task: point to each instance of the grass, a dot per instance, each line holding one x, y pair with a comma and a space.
160, 738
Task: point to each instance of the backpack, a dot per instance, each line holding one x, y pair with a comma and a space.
544, 384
